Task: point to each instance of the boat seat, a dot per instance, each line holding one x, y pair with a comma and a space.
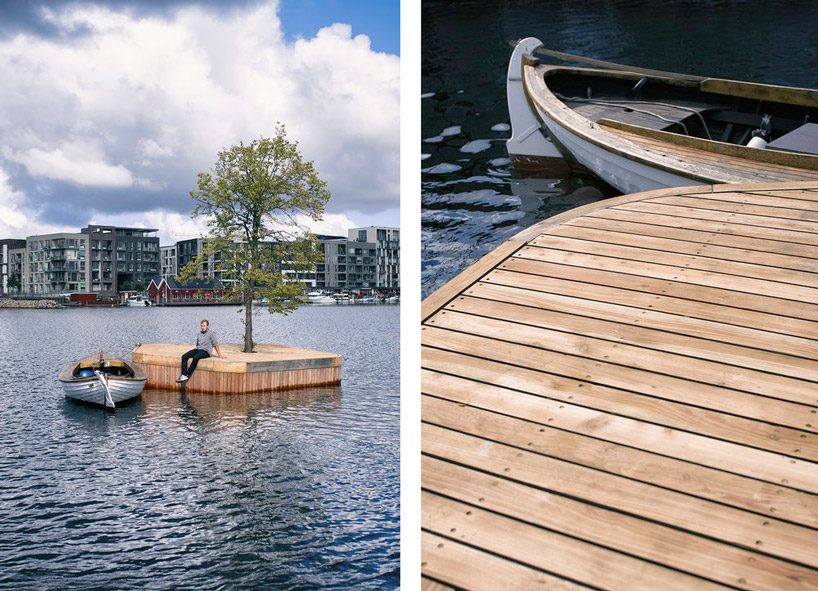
672, 115
803, 139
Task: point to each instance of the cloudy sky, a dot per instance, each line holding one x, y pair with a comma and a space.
109, 109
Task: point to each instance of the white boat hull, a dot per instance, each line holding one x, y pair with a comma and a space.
528, 147
91, 390
137, 303
626, 175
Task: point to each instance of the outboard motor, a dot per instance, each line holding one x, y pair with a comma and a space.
761, 136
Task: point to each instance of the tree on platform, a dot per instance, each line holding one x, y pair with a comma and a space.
14, 282
256, 202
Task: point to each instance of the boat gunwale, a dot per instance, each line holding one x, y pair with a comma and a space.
543, 100
67, 374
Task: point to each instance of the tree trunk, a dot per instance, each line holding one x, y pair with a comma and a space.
248, 319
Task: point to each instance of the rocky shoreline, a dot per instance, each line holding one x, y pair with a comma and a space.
29, 304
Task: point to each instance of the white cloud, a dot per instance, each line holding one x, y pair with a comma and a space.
15, 221
144, 103
333, 224
76, 168
172, 226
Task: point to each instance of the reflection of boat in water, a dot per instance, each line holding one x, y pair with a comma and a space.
642, 129
103, 381
319, 297
138, 302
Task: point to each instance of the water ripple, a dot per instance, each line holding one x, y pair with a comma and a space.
285, 490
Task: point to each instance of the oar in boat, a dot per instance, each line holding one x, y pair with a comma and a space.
569, 57
103, 380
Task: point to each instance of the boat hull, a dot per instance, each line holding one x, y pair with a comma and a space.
91, 390
528, 148
625, 174
81, 380
635, 155
137, 303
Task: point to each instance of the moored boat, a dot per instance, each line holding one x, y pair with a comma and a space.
319, 297
641, 129
102, 381
138, 301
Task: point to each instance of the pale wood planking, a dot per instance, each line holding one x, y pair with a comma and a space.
635, 377
775, 265
662, 412
675, 270
597, 368
790, 224
776, 315
729, 525
666, 339
641, 452
641, 312
796, 255
465, 567
664, 545
550, 551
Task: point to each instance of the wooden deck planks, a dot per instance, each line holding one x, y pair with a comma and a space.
626, 397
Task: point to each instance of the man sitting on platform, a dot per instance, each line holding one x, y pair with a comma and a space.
205, 343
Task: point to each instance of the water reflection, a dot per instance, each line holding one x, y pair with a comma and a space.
218, 411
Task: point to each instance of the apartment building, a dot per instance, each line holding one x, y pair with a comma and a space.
97, 259
11, 265
373, 258
168, 261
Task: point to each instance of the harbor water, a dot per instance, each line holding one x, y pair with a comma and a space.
284, 490
471, 199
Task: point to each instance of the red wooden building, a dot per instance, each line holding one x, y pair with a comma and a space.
173, 292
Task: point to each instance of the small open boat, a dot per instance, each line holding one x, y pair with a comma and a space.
103, 381
640, 129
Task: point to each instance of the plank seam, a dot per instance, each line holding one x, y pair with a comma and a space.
619, 364
604, 507
632, 325
490, 281
653, 397
617, 443
634, 418
560, 248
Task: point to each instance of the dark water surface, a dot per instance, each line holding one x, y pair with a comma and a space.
289, 490
471, 200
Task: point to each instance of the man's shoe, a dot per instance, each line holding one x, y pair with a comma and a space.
182, 378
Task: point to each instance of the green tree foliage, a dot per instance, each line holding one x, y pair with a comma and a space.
256, 201
14, 282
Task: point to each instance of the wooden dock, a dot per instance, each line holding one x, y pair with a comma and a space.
269, 368
625, 396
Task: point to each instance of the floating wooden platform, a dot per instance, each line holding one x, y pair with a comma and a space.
625, 396
271, 367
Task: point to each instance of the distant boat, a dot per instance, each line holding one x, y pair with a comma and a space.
392, 300
101, 381
319, 297
342, 298
641, 129
138, 301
